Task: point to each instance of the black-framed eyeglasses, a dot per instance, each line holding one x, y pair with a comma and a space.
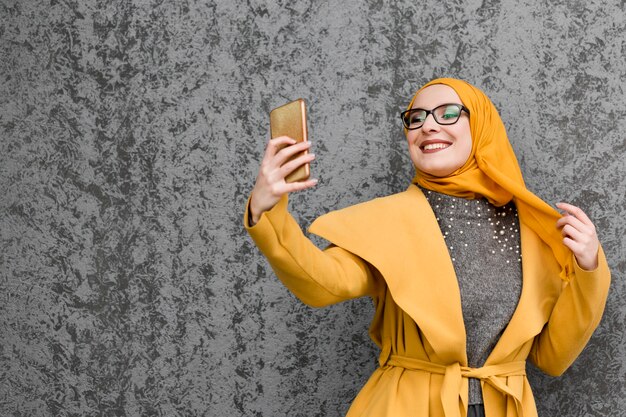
446, 114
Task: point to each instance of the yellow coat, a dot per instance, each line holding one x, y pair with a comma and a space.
376, 250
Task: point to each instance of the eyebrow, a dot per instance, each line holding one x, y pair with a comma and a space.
437, 105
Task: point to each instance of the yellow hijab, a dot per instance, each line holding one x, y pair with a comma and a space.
492, 171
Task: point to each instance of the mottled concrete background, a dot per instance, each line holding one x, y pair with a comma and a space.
131, 133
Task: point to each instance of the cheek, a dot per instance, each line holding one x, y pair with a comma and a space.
464, 138
410, 140
467, 147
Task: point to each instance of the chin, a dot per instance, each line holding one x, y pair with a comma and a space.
435, 171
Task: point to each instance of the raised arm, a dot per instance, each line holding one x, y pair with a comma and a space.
316, 277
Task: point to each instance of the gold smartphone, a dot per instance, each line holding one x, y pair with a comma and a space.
290, 120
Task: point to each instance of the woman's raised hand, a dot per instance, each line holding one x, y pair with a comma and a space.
270, 184
579, 234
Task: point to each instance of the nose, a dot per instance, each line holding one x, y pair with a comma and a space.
430, 124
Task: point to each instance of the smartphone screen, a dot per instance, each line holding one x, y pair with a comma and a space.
290, 120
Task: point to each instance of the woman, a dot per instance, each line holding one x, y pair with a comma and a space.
470, 272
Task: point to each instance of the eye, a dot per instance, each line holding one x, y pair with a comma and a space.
451, 112
417, 117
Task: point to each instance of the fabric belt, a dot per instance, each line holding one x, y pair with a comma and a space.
455, 385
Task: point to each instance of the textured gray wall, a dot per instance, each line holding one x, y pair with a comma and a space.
131, 133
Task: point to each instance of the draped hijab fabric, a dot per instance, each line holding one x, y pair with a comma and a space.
492, 171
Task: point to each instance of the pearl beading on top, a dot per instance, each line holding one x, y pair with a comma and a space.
503, 221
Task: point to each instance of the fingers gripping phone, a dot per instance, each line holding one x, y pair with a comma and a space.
290, 120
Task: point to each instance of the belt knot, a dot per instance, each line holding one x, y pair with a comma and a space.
455, 386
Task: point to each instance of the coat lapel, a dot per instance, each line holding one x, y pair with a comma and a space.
399, 235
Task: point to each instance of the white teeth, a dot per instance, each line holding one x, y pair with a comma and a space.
435, 146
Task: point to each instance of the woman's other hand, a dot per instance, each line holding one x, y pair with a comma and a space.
270, 184
579, 235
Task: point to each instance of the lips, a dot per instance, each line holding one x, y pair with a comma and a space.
434, 145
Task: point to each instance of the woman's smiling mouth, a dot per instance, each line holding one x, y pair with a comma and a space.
430, 146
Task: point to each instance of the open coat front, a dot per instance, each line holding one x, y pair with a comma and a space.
392, 250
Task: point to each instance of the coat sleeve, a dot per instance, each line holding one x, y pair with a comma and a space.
574, 318
318, 278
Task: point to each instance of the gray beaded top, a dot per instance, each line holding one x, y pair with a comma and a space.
484, 245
